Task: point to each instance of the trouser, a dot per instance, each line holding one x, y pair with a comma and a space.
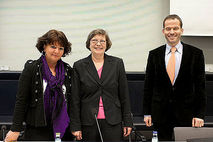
109, 132
166, 130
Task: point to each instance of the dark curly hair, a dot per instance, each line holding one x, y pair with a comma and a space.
99, 32
51, 37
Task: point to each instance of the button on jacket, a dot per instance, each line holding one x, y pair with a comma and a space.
29, 105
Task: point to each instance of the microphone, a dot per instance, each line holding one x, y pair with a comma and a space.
139, 135
99, 130
3, 128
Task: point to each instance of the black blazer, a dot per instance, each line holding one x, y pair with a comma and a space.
87, 89
29, 105
187, 95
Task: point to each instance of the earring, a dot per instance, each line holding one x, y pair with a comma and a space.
43, 53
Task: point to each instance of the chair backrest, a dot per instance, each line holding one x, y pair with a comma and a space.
184, 133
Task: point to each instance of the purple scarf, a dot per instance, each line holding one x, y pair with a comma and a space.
54, 100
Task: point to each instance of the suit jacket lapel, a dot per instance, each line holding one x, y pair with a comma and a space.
106, 67
185, 57
162, 62
92, 70
162, 58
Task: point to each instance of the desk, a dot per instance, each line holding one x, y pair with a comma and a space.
201, 140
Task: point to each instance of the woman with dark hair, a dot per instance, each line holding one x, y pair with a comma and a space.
100, 92
43, 97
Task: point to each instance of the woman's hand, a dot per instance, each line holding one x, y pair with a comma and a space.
11, 136
77, 134
127, 131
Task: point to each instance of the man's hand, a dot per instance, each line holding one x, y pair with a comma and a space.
77, 134
148, 121
197, 122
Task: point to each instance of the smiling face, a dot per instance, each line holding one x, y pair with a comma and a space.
172, 31
53, 52
98, 45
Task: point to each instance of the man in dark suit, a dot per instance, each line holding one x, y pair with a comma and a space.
174, 91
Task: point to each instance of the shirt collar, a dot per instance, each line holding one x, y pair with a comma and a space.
179, 47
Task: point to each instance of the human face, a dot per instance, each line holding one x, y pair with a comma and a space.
53, 52
98, 45
172, 31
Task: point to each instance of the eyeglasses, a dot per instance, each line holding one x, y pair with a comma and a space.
95, 41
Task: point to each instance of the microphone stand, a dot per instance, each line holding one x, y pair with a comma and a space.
141, 137
99, 130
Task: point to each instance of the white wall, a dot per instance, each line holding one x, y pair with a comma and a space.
196, 14
133, 25
197, 19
